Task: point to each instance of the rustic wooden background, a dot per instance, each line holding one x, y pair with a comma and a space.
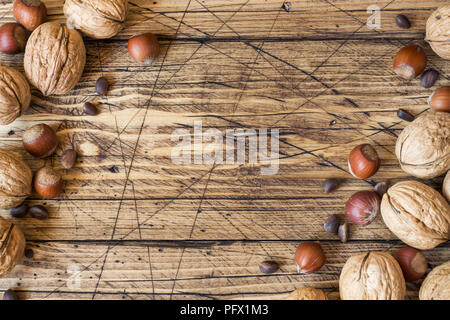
155, 230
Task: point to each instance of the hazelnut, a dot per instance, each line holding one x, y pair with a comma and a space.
417, 214
446, 186
309, 257
15, 95
439, 100
144, 48
12, 38
12, 246
413, 263
410, 61
372, 276
16, 179
423, 147
436, 285
363, 161
40, 140
30, 13
330, 185
98, 19
307, 294
48, 183
54, 44
438, 31
68, 158
362, 207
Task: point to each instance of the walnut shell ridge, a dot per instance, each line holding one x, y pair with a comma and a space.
417, 214
307, 293
423, 147
436, 285
12, 246
54, 58
446, 186
372, 276
438, 31
98, 19
15, 94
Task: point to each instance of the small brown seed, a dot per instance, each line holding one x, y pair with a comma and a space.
90, 109
38, 212
381, 188
331, 224
268, 267
20, 211
402, 21
102, 86
29, 253
68, 158
405, 115
343, 232
428, 78
330, 185
10, 295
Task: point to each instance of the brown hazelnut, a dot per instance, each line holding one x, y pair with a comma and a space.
15, 95
439, 100
309, 257
48, 183
12, 38
307, 294
40, 140
438, 31
436, 285
362, 207
410, 61
12, 246
144, 48
363, 161
413, 263
30, 13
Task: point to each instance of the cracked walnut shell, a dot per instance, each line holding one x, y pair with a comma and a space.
438, 31
12, 246
436, 285
417, 214
15, 94
54, 58
98, 19
307, 294
372, 276
423, 147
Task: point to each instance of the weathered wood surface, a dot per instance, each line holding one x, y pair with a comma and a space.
160, 230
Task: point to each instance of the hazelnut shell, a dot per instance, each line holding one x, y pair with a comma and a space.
436, 285
12, 244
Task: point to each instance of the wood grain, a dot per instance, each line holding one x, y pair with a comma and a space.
157, 230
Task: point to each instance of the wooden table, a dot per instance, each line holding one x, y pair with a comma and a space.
157, 230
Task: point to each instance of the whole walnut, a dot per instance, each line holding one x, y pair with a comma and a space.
307, 294
98, 19
15, 180
436, 285
446, 186
12, 244
15, 94
417, 214
372, 276
438, 31
54, 58
423, 147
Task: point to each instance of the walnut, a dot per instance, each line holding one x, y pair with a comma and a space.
372, 276
438, 31
15, 94
446, 186
307, 294
98, 19
436, 285
15, 180
417, 214
423, 147
54, 58
12, 243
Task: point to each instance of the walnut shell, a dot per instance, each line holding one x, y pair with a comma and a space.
438, 31
423, 147
417, 214
446, 186
15, 94
98, 19
436, 285
15, 180
12, 246
372, 276
54, 58
307, 294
